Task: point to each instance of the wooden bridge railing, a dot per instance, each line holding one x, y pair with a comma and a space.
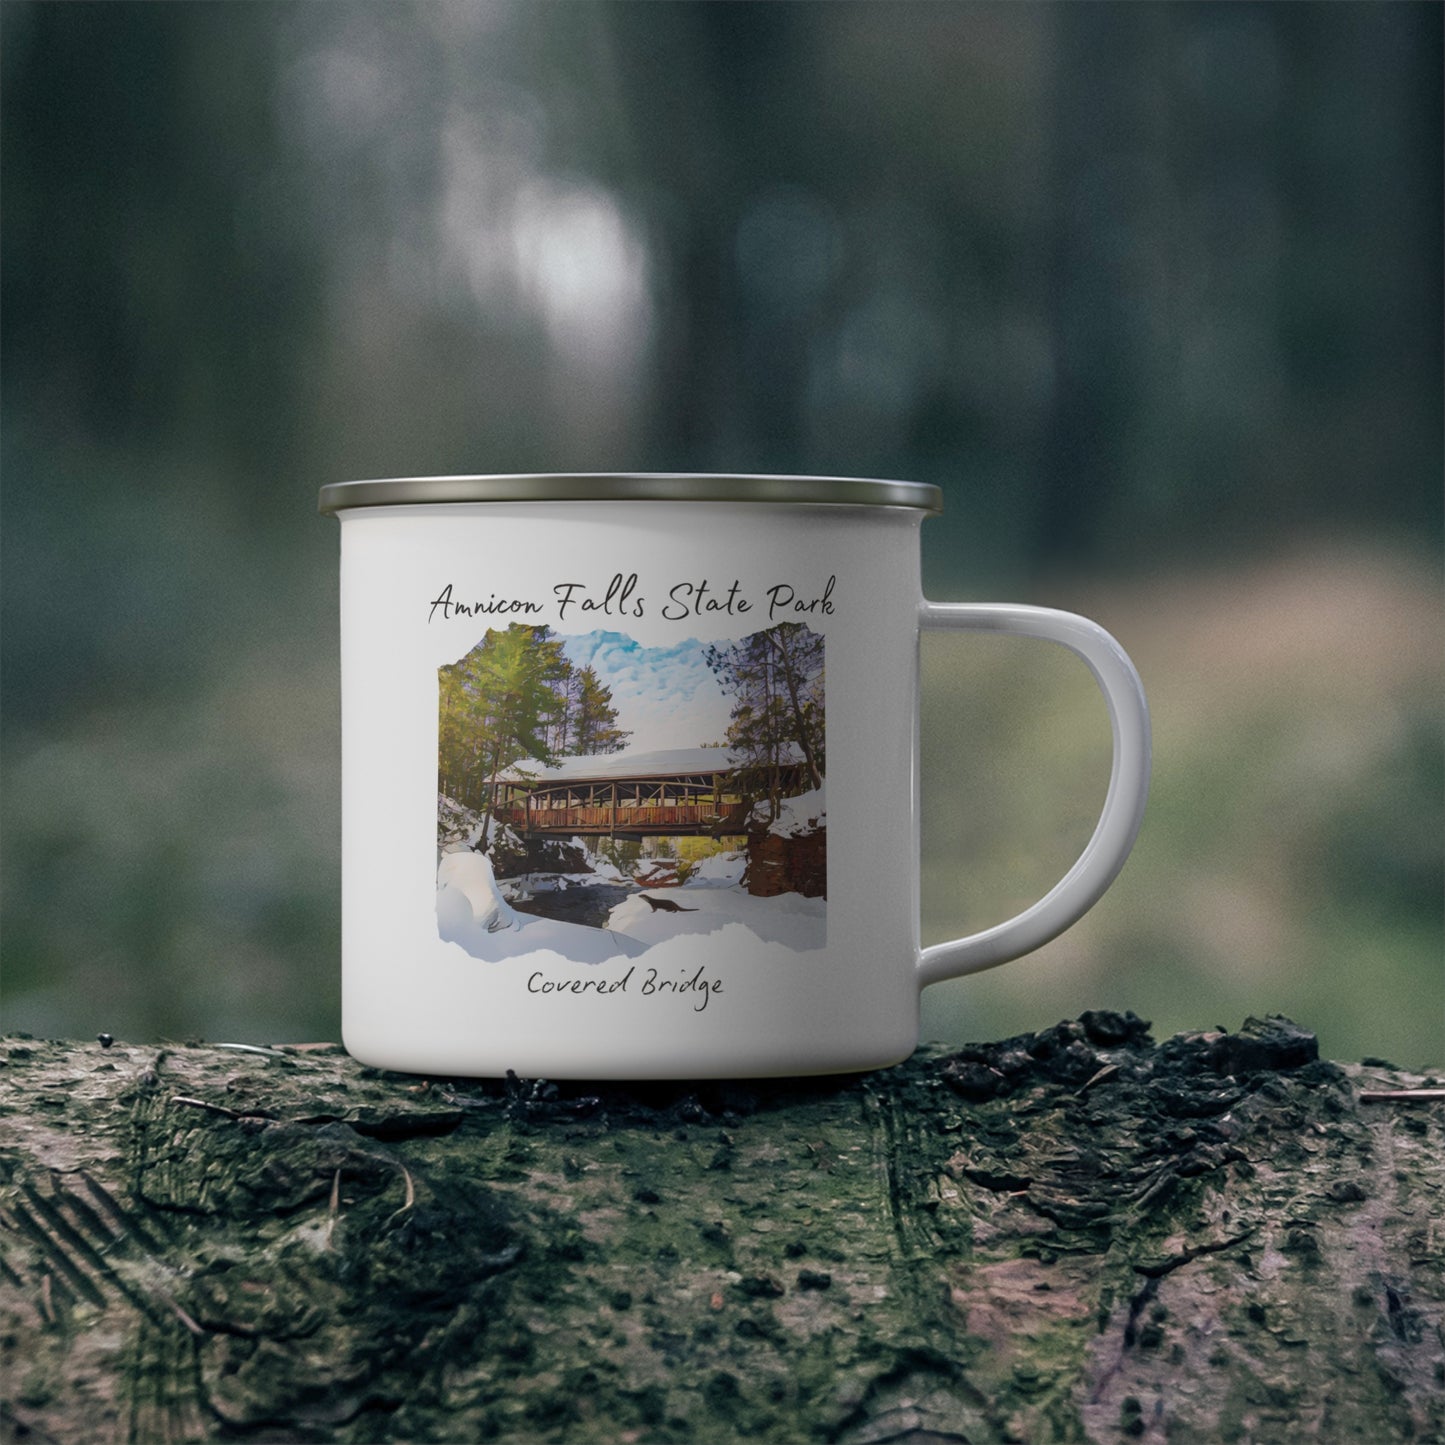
645, 819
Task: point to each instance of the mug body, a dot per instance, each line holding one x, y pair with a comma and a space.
630, 785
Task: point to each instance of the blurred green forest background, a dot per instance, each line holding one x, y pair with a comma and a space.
1152, 291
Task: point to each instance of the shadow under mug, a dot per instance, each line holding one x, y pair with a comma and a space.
630, 774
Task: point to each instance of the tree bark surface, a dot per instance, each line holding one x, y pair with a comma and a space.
1077, 1235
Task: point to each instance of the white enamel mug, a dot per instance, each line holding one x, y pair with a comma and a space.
630, 775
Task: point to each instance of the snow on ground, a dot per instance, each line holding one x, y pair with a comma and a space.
602, 870
542, 935
790, 919
804, 814
474, 907
720, 869
460, 827
472, 912
524, 885
456, 824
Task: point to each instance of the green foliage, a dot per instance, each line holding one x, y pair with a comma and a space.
590, 720
622, 853
694, 850
515, 697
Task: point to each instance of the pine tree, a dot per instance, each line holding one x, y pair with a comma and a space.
569, 697
515, 697
494, 706
595, 727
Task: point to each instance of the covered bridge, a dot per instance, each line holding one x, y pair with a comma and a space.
636, 794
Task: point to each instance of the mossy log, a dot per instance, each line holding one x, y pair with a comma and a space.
1073, 1235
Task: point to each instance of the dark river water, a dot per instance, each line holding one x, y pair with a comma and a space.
587, 903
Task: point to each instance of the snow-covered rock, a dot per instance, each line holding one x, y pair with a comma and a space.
659, 873
720, 868
473, 913
467, 893
605, 872
804, 814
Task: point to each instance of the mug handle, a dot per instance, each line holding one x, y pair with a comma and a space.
1099, 864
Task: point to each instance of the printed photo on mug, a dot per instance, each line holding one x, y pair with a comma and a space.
596, 797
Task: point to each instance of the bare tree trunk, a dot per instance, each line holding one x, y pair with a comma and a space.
1076, 1235
795, 703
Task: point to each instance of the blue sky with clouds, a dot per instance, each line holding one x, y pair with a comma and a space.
667, 696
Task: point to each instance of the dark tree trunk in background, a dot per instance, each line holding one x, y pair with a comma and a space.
1075, 1235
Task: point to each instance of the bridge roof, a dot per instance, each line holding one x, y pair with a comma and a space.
632, 763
